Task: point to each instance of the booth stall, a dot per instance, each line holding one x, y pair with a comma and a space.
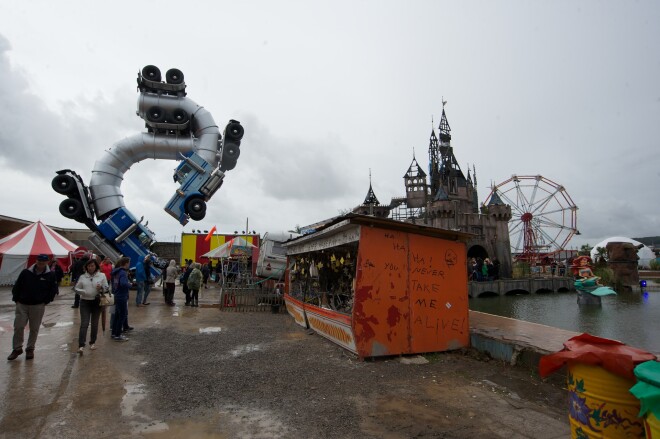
380, 287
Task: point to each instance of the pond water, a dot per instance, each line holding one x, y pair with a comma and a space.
633, 318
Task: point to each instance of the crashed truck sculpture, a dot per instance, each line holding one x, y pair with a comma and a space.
176, 129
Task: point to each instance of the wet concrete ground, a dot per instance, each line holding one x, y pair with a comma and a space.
202, 373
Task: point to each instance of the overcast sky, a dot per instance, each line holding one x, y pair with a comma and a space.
328, 90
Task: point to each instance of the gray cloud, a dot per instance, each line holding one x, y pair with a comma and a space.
569, 93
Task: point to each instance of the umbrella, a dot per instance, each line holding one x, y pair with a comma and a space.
234, 246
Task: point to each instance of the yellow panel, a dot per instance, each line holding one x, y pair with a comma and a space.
188, 247
217, 241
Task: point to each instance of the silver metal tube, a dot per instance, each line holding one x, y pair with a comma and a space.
108, 172
204, 129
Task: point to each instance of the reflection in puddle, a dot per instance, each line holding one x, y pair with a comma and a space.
210, 330
134, 394
246, 349
143, 424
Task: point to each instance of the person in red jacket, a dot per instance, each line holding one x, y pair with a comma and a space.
106, 268
34, 289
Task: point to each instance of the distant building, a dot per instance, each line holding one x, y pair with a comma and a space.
446, 198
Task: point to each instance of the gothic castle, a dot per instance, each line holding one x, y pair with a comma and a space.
448, 199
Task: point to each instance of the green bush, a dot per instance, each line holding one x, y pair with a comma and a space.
606, 276
654, 264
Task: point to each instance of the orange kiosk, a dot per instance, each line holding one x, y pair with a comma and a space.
380, 287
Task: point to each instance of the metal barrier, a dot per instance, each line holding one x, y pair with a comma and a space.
250, 298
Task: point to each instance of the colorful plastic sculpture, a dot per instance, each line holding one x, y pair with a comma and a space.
586, 284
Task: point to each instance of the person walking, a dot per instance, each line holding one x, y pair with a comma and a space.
184, 280
76, 271
55, 268
206, 272
142, 277
120, 287
89, 285
195, 283
34, 289
170, 282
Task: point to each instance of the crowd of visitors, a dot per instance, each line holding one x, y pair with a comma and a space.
93, 276
484, 269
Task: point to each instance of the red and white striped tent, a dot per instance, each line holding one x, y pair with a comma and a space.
20, 249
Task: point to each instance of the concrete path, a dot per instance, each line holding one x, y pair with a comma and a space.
102, 393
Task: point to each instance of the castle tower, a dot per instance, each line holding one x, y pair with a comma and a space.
449, 200
416, 186
371, 205
500, 214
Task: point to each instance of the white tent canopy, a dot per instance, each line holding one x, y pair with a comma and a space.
21, 248
229, 248
645, 253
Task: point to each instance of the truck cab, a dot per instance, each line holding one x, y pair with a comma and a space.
129, 236
199, 181
118, 234
272, 255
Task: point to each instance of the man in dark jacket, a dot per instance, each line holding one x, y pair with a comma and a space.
120, 286
35, 287
184, 280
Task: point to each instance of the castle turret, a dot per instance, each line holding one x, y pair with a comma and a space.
416, 186
371, 205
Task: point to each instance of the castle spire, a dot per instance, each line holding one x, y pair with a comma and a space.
445, 130
370, 199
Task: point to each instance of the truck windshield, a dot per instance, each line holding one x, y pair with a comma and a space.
144, 239
182, 173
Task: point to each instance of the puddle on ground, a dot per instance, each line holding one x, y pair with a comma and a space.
140, 423
60, 325
261, 423
245, 349
185, 429
210, 330
134, 394
209, 305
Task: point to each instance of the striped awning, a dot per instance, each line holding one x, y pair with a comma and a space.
35, 239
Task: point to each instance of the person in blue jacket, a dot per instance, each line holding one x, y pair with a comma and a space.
120, 286
142, 275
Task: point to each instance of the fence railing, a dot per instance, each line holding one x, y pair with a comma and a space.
249, 298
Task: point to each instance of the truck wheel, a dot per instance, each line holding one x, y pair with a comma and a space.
234, 130
180, 116
196, 208
155, 114
230, 155
71, 208
64, 184
174, 76
152, 73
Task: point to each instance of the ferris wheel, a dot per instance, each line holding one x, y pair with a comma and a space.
544, 217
